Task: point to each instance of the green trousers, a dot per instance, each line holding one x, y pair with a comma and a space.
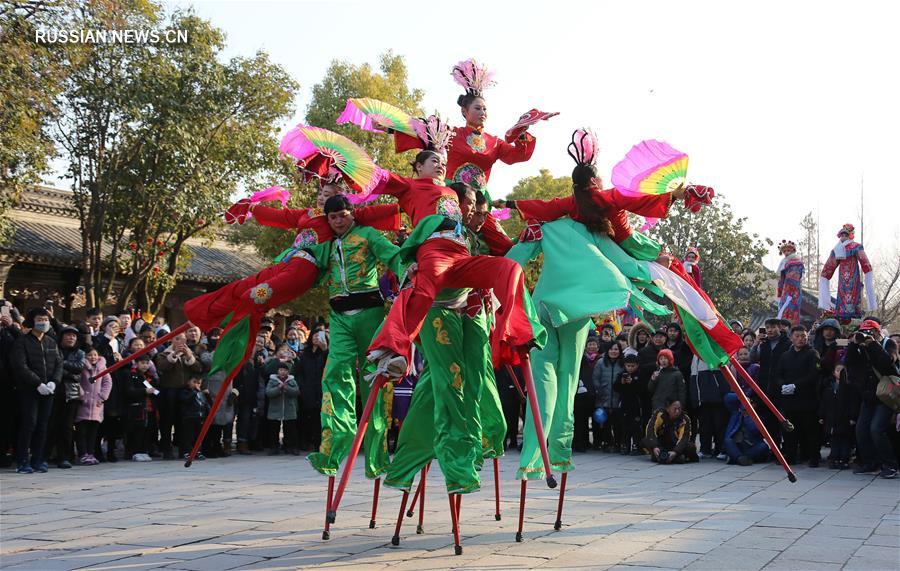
350, 337
555, 369
450, 405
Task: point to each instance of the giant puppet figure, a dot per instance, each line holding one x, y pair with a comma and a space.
850, 260
790, 276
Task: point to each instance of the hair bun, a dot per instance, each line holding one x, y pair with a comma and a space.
461, 100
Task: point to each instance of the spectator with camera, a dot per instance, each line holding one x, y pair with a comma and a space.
866, 362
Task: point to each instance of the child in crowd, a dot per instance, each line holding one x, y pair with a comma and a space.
283, 391
140, 412
193, 410
838, 409
90, 412
629, 388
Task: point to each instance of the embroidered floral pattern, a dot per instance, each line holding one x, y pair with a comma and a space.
457, 378
470, 174
327, 440
327, 404
441, 335
261, 294
476, 142
306, 238
449, 207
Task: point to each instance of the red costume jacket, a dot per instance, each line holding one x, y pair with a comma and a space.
421, 197
614, 203
312, 223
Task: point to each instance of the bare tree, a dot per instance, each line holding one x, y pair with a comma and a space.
808, 249
887, 287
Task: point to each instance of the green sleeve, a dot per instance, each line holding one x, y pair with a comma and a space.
384, 250
523, 252
629, 266
641, 247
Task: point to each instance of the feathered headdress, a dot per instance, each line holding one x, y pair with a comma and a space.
584, 147
785, 245
473, 77
847, 228
434, 132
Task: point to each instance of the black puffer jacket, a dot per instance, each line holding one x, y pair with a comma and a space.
35, 361
801, 369
861, 362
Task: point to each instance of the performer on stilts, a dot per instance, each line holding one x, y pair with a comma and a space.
691, 265
790, 279
849, 259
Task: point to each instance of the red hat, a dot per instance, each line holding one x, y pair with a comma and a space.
847, 229
786, 244
869, 325
666, 353
693, 250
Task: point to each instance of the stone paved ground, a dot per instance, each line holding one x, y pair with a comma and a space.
621, 513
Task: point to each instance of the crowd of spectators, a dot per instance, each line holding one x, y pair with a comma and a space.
651, 395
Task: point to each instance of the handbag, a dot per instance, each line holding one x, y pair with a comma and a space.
74, 392
888, 390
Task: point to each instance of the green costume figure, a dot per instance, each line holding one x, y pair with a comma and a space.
357, 311
565, 302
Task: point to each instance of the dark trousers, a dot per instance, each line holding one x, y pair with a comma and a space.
873, 445
804, 437
188, 430
713, 420
584, 408
841, 441
34, 416
9, 415
309, 424
632, 429
247, 428
137, 432
511, 404
111, 429
86, 435
65, 429
290, 432
168, 417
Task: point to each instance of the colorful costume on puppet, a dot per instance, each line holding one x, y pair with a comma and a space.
357, 311
691, 265
790, 278
849, 259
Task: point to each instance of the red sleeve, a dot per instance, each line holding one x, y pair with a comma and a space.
546, 210
494, 236
698, 276
287, 218
381, 217
864, 264
620, 225
394, 185
649, 205
404, 142
829, 267
518, 152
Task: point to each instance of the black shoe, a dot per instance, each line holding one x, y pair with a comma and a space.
64, 465
814, 463
274, 452
865, 469
744, 461
888, 473
167, 455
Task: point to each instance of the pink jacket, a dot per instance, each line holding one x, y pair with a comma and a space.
95, 394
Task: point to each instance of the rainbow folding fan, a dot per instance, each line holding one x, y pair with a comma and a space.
317, 149
650, 167
366, 113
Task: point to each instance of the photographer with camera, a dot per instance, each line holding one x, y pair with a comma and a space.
865, 361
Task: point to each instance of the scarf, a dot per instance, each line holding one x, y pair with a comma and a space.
784, 261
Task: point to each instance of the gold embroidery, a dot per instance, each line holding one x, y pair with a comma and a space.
327, 404
457, 378
441, 336
327, 439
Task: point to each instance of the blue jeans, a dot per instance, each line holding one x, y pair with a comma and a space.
873, 444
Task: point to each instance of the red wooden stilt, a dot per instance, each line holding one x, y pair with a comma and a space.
396, 539
536, 417
454, 518
125, 360
512, 375
785, 423
521, 511
415, 500
377, 384
375, 503
759, 424
420, 528
326, 533
562, 496
458, 506
497, 489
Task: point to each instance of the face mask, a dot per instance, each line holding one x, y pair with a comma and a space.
295, 345
43, 326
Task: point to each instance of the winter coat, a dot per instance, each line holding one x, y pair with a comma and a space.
683, 356
741, 422
667, 434
104, 347
838, 405
115, 404
801, 369
633, 347
631, 394
605, 374
174, 371
135, 400
706, 386
213, 383
95, 393
73, 365
308, 371
669, 384
282, 402
247, 383
35, 361
586, 376
193, 404
768, 360
861, 362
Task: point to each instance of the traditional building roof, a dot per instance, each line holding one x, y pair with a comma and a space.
47, 232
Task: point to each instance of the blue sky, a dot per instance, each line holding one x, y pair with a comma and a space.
783, 107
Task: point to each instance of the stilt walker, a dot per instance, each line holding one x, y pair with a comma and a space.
790, 279
849, 259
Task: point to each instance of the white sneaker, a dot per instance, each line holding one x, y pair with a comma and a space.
141, 458
721, 457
